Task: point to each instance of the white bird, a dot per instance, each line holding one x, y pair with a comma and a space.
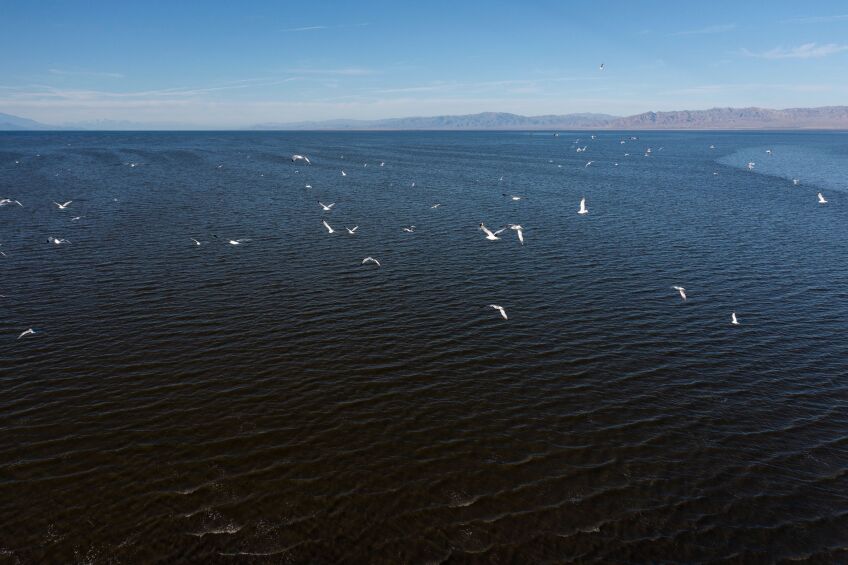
26, 333
583, 209
768, 151
712, 146
344, 174
796, 182
514, 198
76, 218
681, 290
326, 207
57, 240
351, 231
519, 230
326, 225
733, 319
499, 309
195, 241
434, 206
601, 67
751, 165
238, 241
587, 164
382, 163
491, 236
7, 201
301, 158
63, 206
410, 229
370, 260
413, 184
308, 186
821, 199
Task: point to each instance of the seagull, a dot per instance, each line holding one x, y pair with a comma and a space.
410, 229
326, 225
712, 146
63, 206
382, 163
238, 241
587, 164
434, 206
519, 230
301, 158
413, 184
326, 207
681, 290
751, 165
344, 174
308, 186
499, 309
821, 199
733, 319
796, 182
370, 260
57, 240
76, 218
491, 236
583, 209
351, 231
7, 201
26, 333
195, 241
768, 151
514, 198
601, 67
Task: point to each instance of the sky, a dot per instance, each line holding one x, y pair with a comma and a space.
218, 64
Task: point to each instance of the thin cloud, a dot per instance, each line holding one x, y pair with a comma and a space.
721, 28
349, 71
84, 73
805, 51
320, 27
817, 19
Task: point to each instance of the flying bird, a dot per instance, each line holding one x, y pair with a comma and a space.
238, 241
796, 182
751, 165
195, 241
434, 206
822, 199
491, 236
382, 164
519, 230
370, 260
351, 231
76, 218
26, 333
57, 240
499, 309
7, 201
326, 207
326, 225
601, 67
733, 319
514, 198
301, 158
583, 209
410, 229
681, 290
587, 164
344, 174
63, 206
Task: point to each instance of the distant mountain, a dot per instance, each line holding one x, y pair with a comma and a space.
9, 122
828, 117
482, 121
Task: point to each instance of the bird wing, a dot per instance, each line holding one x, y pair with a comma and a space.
520, 236
486, 230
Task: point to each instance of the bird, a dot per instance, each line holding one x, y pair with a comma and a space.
434, 206
413, 184
195, 241
26, 333
326, 207
499, 309
370, 260
7, 201
751, 165
76, 218
326, 225
410, 229
681, 290
519, 230
587, 164
514, 198
733, 319
301, 158
238, 241
344, 174
822, 199
768, 151
63, 206
601, 67
308, 186
583, 209
351, 231
57, 240
712, 146
796, 182
382, 163
491, 236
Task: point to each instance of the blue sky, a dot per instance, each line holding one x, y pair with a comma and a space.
231, 64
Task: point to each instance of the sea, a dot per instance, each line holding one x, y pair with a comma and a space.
277, 401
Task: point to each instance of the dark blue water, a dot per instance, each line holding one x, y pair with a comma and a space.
276, 401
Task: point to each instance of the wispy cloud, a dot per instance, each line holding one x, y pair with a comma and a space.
64, 72
320, 27
817, 19
720, 28
348, 71
805, 51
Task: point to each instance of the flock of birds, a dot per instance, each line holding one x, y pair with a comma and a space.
490, 235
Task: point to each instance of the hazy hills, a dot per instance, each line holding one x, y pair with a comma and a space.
828, 117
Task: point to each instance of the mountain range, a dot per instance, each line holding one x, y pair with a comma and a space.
828, 117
